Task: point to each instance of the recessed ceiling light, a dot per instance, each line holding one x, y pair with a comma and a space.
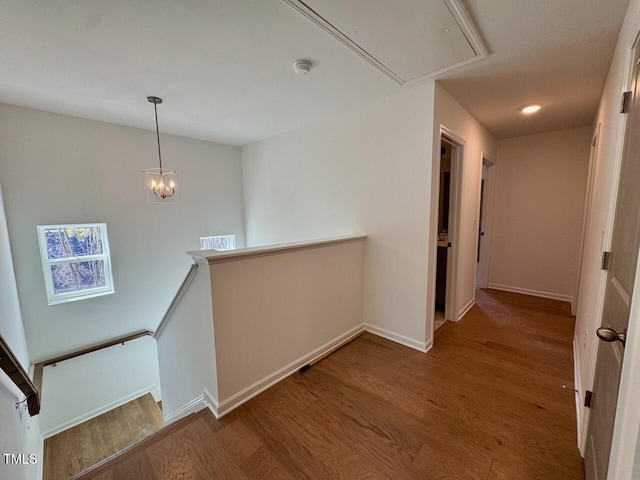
529, 109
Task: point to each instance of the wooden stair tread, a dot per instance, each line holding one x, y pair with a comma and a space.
137, 447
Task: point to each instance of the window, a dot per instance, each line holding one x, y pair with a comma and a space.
75, 261
220, 242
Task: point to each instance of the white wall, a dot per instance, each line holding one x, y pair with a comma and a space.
84, 387
246, 323
625, 444
61, 169
291, 307
478, 142
538, 212
366, 171
186, 353
20, 433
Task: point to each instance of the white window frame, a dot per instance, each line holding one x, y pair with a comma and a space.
56, 298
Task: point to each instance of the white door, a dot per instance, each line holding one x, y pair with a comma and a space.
618, 293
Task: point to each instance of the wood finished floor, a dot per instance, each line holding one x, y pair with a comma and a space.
84, 445
485, 403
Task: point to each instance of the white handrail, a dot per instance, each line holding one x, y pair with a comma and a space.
176, 300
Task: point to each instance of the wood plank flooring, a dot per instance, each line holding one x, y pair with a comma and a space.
84, 445
485, 403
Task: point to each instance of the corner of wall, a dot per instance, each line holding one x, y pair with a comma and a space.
423, 347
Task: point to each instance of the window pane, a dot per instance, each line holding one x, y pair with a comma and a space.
75, 276
221, 242
73, 242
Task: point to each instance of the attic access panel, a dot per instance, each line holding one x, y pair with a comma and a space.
407, 40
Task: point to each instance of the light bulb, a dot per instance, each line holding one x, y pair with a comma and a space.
529, 109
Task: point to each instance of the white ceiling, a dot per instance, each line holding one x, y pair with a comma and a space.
224, 67
554, 52
407, 44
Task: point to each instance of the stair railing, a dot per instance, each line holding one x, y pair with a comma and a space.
191, 274
12, 367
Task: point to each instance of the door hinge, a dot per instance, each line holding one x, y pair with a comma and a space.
625, 102
606, 257
588, 395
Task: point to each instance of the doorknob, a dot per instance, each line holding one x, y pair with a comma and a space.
610, 335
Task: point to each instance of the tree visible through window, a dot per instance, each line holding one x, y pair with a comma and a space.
75, 261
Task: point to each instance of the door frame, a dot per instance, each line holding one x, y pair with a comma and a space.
582, 412
455, 206
627, 422
455, 202
487, 219
586, 215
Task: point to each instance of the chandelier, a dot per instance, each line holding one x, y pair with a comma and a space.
160, 183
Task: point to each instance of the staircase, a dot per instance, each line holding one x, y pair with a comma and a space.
121, 462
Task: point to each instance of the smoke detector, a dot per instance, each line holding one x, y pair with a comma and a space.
302, 67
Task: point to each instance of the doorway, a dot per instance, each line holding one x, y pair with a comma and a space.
448, 189
484, 224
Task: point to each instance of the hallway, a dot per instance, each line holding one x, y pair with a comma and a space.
485, 403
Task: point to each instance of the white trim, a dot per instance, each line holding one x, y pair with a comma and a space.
193, 406
456, 207
586, 215
463, 18
211, 257
99, 411
423, 347
211, 402
228, 404
458, 12
622, 292
591, 367
578, 396
487, 220
220, 409
40, 456
432, 262
47, 263
535, 293
465, 309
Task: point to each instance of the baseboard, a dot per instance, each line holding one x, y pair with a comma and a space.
211, 402
98, 411
234, 401
535, 293
193, 406
466, 308
220, 409
423, 347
